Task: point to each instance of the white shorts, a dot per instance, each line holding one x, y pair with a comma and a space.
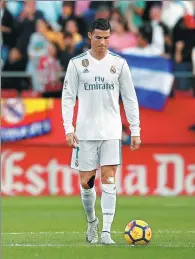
89, 155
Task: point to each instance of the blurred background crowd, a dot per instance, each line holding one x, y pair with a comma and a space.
40, 37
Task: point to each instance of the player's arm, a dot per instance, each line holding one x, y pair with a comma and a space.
130, 103
69, 94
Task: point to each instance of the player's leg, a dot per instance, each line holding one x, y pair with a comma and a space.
88, 197
85, 159
110, 157
88, 193
108, 201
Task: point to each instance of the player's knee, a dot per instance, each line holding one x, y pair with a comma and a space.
88, 183
84, 184
108, 180
108, 174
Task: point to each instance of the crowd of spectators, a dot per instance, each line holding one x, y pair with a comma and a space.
40, 37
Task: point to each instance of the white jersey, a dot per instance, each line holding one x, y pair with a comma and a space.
97, 83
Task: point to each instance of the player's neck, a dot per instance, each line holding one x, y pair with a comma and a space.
98, 55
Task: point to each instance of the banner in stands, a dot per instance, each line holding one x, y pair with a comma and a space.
25, 118
152, 170
39, 121
153, 80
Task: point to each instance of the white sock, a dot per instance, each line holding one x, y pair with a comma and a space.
108, 204
88, 197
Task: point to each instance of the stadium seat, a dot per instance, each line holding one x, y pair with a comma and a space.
9, 93
30, 93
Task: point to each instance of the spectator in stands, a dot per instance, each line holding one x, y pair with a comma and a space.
68, 51
49, 72
133, 12
161, 33
172, 11
158, 39
15, 7
25, 27
68, 14
103, 12
148, 6
7, 31
116, 15
51, 11
188, 7
37, 48
72, 27
183, 44
27, 18
15, 62
89, 15
81, 7
145, 46
51, 35
96, 4
120, 37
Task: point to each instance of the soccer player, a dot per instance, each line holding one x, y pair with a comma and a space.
97, 77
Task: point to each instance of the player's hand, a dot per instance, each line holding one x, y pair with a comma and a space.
135, 143
72, 140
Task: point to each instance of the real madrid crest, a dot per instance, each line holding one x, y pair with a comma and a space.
65, 85
113, 70
76, 163
85, 62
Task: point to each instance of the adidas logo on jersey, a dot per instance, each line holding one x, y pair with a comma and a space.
85, 70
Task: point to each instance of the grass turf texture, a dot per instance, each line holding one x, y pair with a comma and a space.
54, 227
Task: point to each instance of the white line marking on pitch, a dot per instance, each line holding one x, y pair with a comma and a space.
114, 232
83, 245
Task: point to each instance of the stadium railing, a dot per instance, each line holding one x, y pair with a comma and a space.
177, 89
25, 74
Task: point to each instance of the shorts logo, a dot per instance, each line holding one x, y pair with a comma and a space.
77, 156
113, 70
85, 62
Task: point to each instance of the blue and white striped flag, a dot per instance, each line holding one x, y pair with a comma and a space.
153, 79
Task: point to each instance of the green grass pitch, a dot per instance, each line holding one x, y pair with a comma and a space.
54, 228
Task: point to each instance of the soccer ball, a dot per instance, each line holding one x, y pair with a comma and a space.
138, 232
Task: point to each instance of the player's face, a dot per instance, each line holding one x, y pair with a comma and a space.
99, 40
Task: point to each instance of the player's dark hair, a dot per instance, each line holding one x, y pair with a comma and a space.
100, 24
146, 32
